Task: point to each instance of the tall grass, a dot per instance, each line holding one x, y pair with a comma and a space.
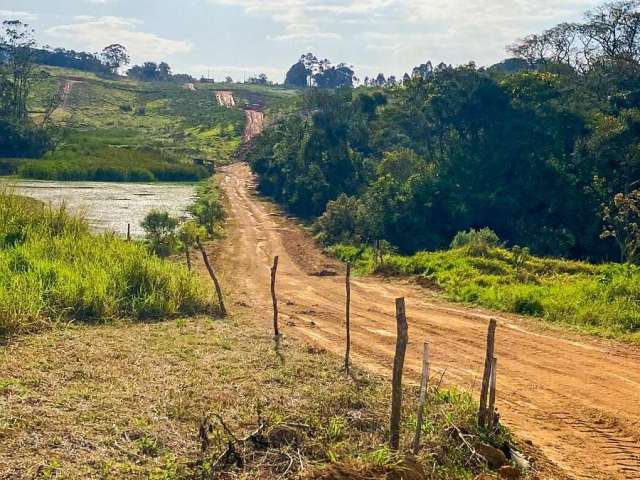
603, 299
53, 269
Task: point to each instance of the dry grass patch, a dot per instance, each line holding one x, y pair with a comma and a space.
126, 401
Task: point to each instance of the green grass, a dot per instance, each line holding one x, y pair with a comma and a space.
125, 127
601, 299
53, 269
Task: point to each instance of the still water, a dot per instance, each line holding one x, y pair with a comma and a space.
109, 206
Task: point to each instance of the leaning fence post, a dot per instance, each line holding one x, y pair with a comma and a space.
128, 232
396, 382
186, 252
212, 274
423, 397
486, 378
347, 313
492, 394
274, 299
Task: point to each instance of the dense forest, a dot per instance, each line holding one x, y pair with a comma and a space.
543, 148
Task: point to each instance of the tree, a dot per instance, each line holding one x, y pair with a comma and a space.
621, 220
19, 136
115, 56
163, 72
297, 76
228, 80
16, 72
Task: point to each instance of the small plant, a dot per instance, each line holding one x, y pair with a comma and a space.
160, 230
148, 446
188, 235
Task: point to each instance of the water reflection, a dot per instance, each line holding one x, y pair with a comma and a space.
110, 206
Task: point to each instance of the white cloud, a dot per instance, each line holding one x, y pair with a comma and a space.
17, 15
94, 33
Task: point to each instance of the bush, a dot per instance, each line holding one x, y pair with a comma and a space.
341, 222
160, 229
478, 241
208, 210
24, 141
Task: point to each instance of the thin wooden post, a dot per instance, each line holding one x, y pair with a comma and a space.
486, 378
212, 274
492, 394
186, 251
424, 383
128, 232
347, 314
274, 298
398, 365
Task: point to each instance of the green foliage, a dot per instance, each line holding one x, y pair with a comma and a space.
208, 209
477, 241
601, 299
52, 268
160, 232
532, 155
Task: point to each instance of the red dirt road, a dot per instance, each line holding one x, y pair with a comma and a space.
576, 398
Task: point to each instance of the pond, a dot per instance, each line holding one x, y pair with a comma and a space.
109, 206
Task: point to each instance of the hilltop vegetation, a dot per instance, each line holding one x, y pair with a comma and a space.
534, 155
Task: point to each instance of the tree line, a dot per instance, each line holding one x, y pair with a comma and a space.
544, 152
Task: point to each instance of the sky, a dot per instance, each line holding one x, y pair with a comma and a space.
241, 38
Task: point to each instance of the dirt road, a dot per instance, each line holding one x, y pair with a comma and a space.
575, 398
255, 123
225, 98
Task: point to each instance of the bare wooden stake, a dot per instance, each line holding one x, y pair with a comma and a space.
424, 383
492, 395
274, 270
188, 255
347, 313
398, 365
128, 232
486, 378
212, 274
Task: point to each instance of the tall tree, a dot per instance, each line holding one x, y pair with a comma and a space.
115, 57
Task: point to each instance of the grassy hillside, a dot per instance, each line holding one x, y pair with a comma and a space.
595, 298
136, 131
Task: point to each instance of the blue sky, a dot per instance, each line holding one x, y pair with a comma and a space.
245, 37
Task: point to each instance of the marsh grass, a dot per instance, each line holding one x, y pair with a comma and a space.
603, 299
52, 269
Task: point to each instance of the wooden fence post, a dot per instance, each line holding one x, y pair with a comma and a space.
347, 314
212, 274
186, 251
128, 232
274, 270
398, 365
424, 383
486, 378
492, 394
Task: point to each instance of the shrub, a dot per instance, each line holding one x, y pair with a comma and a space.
341, 222
478, 241
208, 210
160, 229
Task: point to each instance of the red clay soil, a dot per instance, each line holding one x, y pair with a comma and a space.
575, 397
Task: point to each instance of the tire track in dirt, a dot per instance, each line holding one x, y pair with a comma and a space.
576, 398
